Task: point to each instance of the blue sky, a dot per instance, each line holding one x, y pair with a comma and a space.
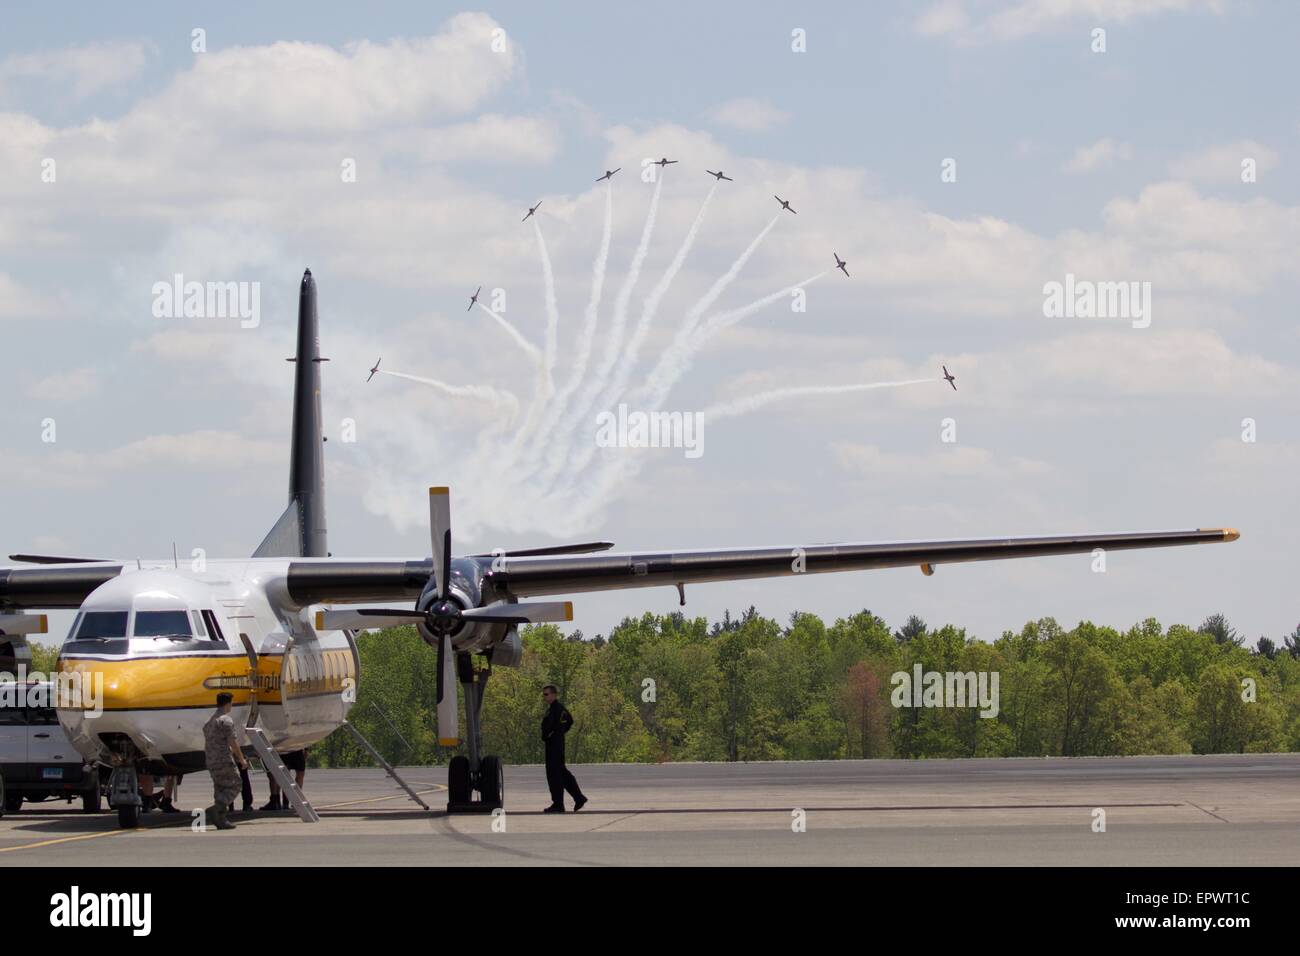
1116, 166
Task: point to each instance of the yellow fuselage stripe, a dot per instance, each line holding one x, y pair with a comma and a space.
164, 683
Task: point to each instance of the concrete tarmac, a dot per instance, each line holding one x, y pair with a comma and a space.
1194, 811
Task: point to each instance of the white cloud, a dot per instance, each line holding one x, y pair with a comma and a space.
982, 20
1098, 155
18, 301
56, 466
748, 115
1222, 165
81, 70
490, 139
304, 88
73, 385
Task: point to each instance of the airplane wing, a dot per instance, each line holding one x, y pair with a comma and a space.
354, 581
341, 581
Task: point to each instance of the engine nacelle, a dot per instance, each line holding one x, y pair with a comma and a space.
466, 590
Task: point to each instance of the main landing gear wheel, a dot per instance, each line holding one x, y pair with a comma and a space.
458, 785
92, 802
491, 783
128, 816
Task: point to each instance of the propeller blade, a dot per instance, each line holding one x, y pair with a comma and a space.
584, 547
442, 665
533, 612
363, 617
440, 532
448, 709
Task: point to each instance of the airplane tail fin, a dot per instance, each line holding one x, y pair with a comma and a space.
300, 531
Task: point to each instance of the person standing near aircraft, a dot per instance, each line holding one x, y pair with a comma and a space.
223, 757
555, 725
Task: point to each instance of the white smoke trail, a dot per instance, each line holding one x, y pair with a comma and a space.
651, 306
666, 371
533, 351
752, 403
620, 467
545, 387
562, 450
587, 337
676, 362
615, 341
724, 320
552, 309
559, 446
482, 392
697, 310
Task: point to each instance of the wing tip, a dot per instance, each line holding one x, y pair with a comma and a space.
1229, 534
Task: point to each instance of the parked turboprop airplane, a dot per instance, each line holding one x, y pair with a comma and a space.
167, 636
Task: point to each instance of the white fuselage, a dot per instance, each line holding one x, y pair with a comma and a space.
159, 687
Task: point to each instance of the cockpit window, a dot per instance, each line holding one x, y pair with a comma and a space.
102, 625
162, 624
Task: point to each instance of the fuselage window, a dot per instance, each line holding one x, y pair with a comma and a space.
214, 629
162, 624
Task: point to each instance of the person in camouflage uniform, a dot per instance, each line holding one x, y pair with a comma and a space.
223, 758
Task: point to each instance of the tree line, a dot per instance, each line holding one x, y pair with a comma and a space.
669, 687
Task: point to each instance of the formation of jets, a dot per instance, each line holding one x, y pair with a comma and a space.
719, 175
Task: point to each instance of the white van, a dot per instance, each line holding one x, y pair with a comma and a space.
37, 761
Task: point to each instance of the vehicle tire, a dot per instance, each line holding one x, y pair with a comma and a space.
128, 816
458, 789
491, 782
13, 802
93, 800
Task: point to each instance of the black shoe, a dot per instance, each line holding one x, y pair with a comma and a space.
579, 804
554, 808
167, 806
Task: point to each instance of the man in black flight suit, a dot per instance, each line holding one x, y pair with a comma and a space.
555, 725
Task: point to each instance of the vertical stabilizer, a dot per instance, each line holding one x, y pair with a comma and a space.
300, 532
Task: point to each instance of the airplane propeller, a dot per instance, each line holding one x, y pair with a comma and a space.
445, 616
